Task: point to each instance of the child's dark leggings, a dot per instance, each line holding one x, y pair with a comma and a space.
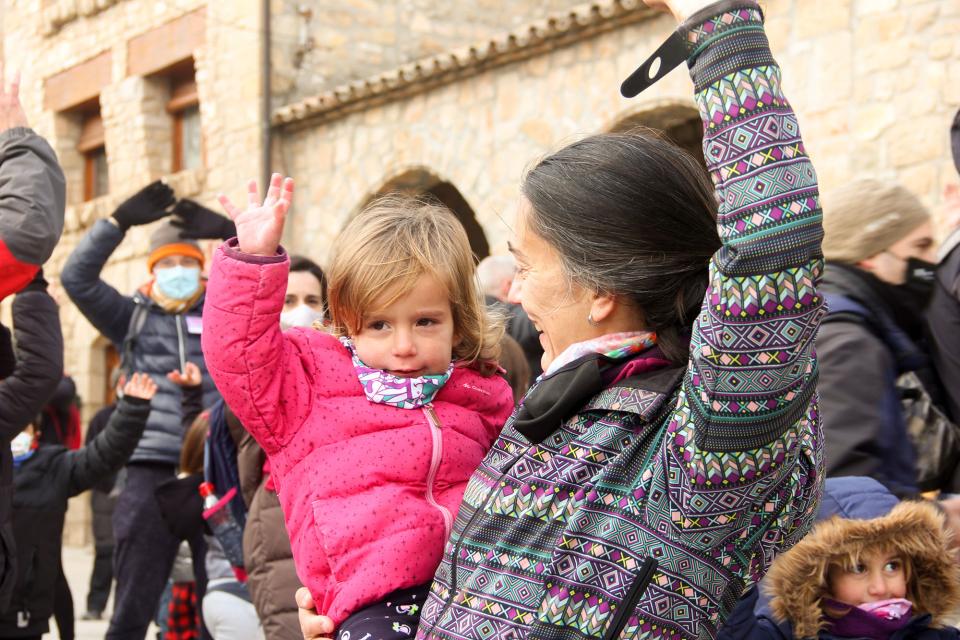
393, 618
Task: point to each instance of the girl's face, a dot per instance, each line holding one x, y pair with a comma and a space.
412, 337
557, 307
877, 576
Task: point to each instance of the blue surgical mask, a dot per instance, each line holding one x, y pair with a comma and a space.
22, 447
179, 283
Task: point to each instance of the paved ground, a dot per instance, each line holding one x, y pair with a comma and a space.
77, 563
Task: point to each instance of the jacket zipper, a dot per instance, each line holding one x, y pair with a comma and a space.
629, 602
436, 435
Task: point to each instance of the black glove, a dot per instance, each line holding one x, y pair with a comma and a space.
39, 283
197, 222
145, 206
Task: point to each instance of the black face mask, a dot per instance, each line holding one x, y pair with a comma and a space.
921, 278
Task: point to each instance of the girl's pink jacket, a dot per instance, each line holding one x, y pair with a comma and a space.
352, 475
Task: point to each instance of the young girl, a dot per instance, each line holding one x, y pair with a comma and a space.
890, 577
371, 432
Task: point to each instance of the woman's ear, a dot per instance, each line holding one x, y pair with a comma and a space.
602, 307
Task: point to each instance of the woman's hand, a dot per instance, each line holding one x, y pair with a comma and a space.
681, 9
189, 378
260, 226
312, 624
140, 386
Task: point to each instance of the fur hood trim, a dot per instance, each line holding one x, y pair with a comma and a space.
797, 580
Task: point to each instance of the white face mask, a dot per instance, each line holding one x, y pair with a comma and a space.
21, 445
300, 316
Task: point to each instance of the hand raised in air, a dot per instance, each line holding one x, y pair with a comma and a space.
260, 225
190, 377
140, 386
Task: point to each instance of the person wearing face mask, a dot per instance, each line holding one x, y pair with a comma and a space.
880, 249
306, 299
157, 330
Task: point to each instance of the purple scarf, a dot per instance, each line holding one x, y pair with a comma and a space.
857, 623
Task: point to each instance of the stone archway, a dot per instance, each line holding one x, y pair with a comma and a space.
423, 183
681, 125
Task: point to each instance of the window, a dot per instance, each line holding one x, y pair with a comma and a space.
96, 177
184, 109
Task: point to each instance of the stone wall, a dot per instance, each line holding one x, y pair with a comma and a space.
318, 44
873, 82
137, 131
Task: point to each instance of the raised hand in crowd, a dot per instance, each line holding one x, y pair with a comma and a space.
145, 206
141, 385
199, 223
189, 377
260, 225
11, 111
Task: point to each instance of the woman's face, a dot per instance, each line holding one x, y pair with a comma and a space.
303, 288
557, 307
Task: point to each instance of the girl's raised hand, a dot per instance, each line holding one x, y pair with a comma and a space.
260, 225
141, 386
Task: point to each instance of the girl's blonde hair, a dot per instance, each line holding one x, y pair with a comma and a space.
387, 247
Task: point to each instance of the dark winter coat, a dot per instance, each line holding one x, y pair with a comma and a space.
862, 352
103, 496
943, 323
44, 482
39, 367
915, 528
156, 350
32, 199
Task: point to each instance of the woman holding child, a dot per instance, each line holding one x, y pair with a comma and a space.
670, 449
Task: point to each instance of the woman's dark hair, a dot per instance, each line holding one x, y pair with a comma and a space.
300, 263
631, 215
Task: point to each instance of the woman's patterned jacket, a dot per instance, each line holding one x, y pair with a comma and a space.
648, 512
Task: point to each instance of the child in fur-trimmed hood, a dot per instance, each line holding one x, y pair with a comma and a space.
890, 577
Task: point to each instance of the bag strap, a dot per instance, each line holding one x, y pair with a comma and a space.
137, 320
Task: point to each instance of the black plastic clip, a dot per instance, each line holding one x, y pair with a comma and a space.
664, 60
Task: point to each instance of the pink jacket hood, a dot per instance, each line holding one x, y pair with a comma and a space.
351, 475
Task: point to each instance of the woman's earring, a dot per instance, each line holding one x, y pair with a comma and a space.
593, 323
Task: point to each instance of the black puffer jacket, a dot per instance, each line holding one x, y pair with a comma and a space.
38, 370
158, 342
44, 482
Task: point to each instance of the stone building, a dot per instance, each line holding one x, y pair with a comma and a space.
452, 98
